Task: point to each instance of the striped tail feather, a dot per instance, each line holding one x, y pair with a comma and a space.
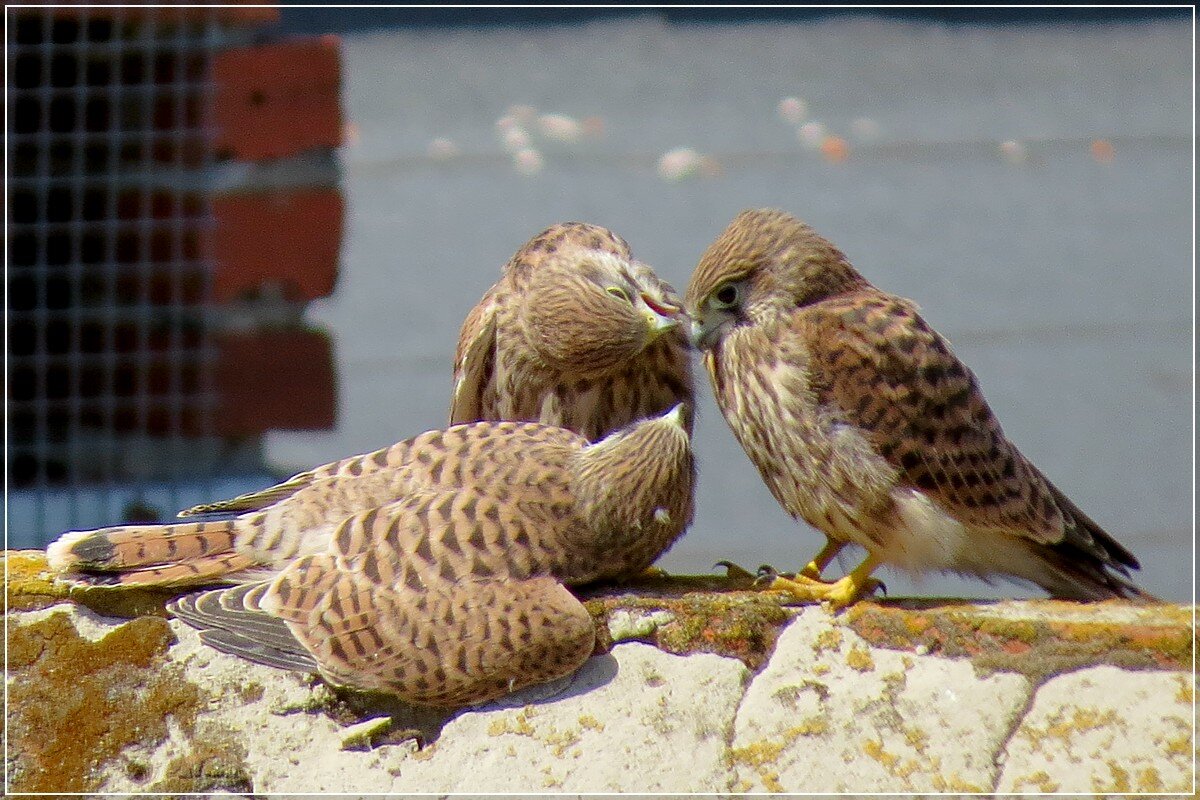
176, 554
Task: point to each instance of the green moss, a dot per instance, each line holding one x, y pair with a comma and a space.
76, 704
739, 624
1054, 637
378, 732
859, 659
252, 692
31, 585
762, 755
216, 763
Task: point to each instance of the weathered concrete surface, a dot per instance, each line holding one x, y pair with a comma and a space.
830, 713
900, 696
1105, 730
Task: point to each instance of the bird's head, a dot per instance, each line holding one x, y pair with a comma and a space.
764, 264
588, 309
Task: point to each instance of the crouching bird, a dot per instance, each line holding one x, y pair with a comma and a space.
864, 424
576, 333
434, 569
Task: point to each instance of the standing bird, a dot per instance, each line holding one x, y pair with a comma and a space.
865, 425
575, 333
433, 569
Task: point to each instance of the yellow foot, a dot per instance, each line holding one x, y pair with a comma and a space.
836, 595
814, 568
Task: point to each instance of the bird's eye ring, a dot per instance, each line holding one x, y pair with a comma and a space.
726, 296
620, 294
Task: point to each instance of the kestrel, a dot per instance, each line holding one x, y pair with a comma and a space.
576, 333
433, 569
864, 424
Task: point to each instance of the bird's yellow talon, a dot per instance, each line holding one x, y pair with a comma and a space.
835, 595
811, 570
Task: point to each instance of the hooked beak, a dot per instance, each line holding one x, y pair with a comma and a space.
705, 331
660, 317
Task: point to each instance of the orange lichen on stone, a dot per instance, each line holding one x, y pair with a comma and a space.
28, 582
30, 585
1044, 638
738, 624
75, 704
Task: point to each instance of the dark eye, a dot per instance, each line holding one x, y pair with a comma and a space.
726, 296
619, 293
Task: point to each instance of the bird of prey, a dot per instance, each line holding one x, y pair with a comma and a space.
864, 424
576, 333
433, 569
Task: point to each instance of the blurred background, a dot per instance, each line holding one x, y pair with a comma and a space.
241, 241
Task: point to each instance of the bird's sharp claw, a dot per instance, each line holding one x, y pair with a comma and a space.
734, 572
767, 571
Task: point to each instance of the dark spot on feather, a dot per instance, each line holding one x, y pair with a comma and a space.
412, 580
480, 569
371, 567
925, 480
468, 508
1048, 507
933, 372
450, 540
423, 550
476, 539
344, 537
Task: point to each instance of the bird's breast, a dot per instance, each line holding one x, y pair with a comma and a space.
818, 468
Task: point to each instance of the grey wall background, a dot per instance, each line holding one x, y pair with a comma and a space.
1064, 282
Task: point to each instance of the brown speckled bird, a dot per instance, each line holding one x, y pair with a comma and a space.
433, 569
865, 425
576, 333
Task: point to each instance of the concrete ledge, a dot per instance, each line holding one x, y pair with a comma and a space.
704, 689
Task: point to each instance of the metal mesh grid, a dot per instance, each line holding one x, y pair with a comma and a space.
109, 358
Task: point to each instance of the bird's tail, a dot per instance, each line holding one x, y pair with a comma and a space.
176, 554
1089, 564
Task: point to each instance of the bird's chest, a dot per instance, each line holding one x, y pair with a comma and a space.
817, 467
593, 407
